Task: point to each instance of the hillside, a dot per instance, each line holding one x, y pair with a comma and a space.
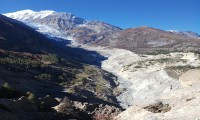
35, 66
91, 32
149, 39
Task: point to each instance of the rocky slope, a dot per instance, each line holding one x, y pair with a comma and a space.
33, 66
149, 39
183, 104
72, 27
188, 34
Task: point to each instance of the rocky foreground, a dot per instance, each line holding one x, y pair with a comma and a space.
49, 108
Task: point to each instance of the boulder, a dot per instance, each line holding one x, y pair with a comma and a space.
158, 107
46, 103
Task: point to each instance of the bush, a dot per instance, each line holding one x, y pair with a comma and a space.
20, 62
6, 86
52, 58
31, 97
44, 76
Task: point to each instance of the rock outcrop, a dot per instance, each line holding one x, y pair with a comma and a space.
158, 107
96, 111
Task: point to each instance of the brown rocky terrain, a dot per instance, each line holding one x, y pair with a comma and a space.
147, 39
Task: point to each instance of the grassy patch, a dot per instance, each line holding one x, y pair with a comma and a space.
26, 63
50, 58
44, 76
181, 68
157, 52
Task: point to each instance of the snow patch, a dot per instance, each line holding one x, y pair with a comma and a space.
24, 15
49, 31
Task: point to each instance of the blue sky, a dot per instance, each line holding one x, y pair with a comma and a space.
162, 14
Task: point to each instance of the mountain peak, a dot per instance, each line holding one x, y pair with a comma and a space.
31, 11
66, 24
24, 15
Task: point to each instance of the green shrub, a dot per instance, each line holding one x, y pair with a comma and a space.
20, 62
52, 58
6, 86
44, 76
71, 91
31, 97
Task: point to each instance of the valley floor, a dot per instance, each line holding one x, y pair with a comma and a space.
145, 80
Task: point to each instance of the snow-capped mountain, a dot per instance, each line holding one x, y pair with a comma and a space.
26, 15
188, 34
68, 26
64, 25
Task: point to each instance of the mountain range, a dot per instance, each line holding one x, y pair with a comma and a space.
83, 31
57, 66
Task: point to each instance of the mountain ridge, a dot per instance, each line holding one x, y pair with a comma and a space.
15, 15
189, 34
81, 31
